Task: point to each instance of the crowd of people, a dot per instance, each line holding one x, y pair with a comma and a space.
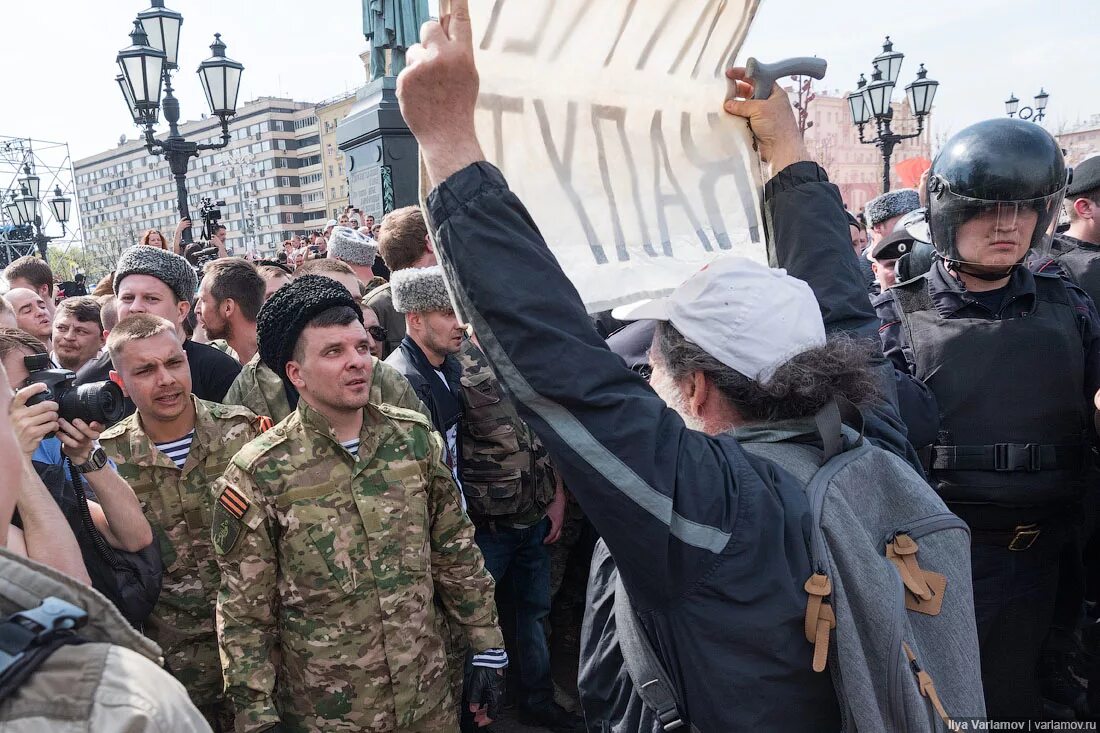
341, 490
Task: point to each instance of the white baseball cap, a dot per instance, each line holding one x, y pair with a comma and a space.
750, 317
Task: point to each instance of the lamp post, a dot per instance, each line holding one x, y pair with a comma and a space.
147, 66
872, 101
1036, 113
24, 209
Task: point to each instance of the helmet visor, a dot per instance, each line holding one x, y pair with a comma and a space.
993, 234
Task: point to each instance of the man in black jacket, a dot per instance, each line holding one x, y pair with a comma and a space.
664, 498
426, 356
151, 280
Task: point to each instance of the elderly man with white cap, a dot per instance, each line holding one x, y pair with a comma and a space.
706, 536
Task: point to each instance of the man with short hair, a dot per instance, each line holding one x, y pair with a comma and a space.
32, 273
78, 333
885, 254
108, 313
1077, 250
230, 296
262, 391
217, 239
884, 211
275, 276
337, 534
357, 252
427, 353
334, 270
171, 451
403, 243
31, 314
155, 281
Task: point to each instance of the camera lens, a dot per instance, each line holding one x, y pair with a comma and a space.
101, 402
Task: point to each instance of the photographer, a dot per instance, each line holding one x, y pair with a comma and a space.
212, 239
60, 449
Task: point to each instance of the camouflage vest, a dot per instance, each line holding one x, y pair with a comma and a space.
506, 473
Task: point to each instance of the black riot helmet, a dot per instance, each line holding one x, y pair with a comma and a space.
1009, 171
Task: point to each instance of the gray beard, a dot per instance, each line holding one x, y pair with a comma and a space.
667, 389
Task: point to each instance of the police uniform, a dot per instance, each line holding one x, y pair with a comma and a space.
1013, 371
1078, 258
112, 683
330, 563
179, 504
262, 391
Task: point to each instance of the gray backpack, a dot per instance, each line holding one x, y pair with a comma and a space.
890, 607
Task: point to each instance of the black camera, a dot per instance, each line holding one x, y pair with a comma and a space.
101, 402
198, 254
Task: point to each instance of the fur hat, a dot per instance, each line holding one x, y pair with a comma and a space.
891, 204
352, 247
285, 314
420, 289
171, 269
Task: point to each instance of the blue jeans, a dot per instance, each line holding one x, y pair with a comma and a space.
519, 555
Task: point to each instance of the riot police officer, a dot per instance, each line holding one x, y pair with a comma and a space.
1013, 358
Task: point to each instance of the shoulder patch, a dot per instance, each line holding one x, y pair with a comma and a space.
225, 530
233, 502
400, 413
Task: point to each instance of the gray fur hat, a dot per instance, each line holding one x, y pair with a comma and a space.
891, 204
352, 247
169, 268
420, 289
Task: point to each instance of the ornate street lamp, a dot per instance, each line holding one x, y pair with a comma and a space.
872, 101
147, 65
1035, 113
24, 209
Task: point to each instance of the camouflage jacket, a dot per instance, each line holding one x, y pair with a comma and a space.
179, 505
506, 472
113, 683
330, 566
261, 390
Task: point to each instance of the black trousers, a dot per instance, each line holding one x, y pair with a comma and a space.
1015, 593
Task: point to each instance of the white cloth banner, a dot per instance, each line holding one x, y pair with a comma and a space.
605, 116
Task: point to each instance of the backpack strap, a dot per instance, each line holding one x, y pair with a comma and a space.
651, 682
829, 422
28, 638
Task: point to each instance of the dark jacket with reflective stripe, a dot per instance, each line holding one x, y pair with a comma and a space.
710, 541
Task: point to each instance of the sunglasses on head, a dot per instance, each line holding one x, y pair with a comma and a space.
378, 333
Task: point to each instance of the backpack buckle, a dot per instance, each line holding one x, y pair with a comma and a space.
668, 715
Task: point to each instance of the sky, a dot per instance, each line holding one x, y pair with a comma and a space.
979, 50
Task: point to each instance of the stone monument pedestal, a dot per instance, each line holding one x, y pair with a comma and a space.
381, 153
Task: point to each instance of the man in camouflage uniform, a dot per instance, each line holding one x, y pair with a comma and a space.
517, 504
335, 532
262, 391
171, 451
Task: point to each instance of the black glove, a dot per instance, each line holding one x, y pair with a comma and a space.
485, 688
